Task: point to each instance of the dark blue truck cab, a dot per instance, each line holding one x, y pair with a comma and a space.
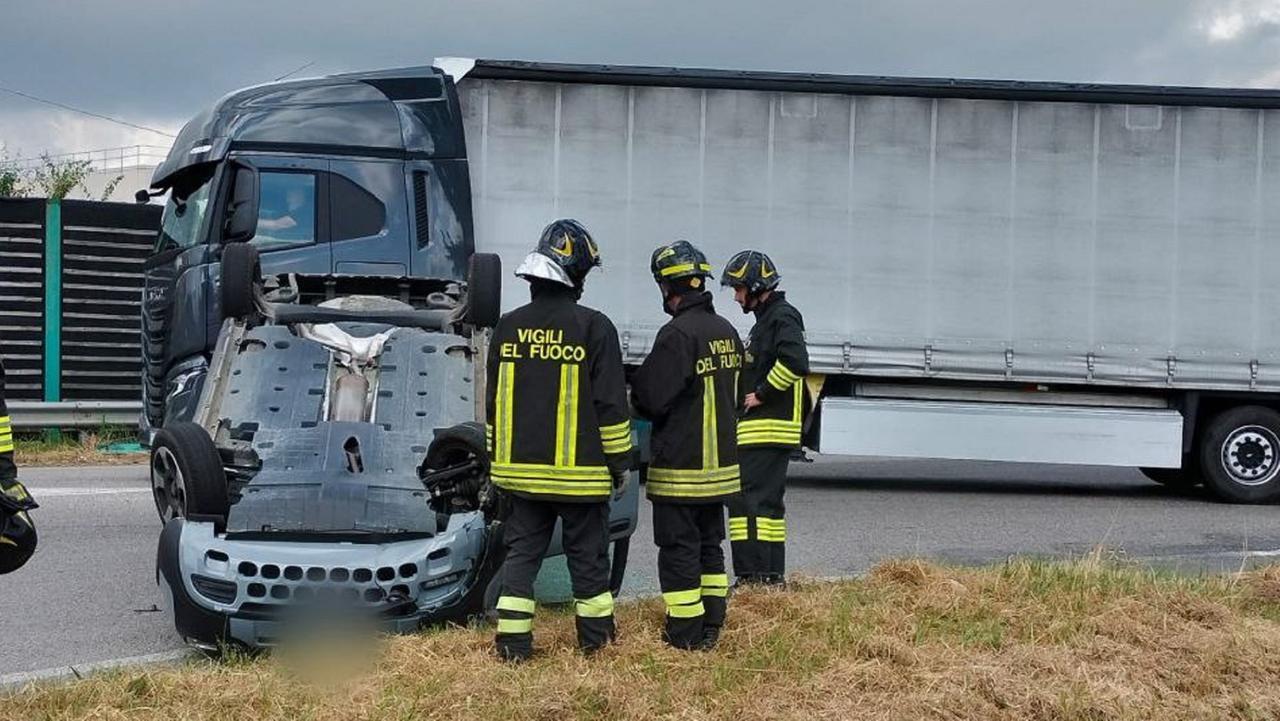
361, 175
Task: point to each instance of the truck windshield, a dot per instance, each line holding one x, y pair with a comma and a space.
182, 225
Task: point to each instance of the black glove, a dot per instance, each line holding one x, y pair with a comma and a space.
619, 479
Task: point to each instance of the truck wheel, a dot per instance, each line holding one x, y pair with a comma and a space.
484, 290
186, 473
1184, 478
1240, 455
241, 278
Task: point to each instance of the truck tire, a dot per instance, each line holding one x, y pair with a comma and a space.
484, 290
1184, 478
1178, 478
187, 478
241, 278
1240, 455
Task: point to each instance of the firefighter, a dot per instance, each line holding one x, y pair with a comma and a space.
771, 416
687, 388
17, 530
559, 437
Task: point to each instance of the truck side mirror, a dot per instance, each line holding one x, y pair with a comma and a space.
242, 210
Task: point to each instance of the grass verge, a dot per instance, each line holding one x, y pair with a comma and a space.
75, 448
912, 640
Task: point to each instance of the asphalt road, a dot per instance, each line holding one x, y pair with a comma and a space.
89, 593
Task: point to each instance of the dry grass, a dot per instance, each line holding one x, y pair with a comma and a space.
73, 449
1025, 640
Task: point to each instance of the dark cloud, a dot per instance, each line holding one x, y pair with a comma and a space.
162, 61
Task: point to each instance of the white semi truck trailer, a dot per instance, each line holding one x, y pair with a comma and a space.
999, 271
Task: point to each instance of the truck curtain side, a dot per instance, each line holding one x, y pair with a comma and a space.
948, 233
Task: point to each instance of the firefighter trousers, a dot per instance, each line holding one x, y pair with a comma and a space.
691, 570
585, 534
757, 516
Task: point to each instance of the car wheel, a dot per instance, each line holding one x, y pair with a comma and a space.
187, 477
484, 290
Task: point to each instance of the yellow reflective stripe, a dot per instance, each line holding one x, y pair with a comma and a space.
767, 440
692, 610
781, 377
684, 604
798, 410
735, 535
515, 625
517, 604
505, 411
677, 598
767, 424
550, 472
693, 474
784, 372
567, 416
771, 529
595, 607
715, 585
689, 490
710, 436
616, 431
619, 446
737, 521
6, 446
685, 268
552, 487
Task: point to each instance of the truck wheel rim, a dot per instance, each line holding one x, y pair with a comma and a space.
1249, 455
168, 485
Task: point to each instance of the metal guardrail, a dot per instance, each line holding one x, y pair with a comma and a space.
102, 159
32, 415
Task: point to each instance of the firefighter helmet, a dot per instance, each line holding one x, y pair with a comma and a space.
752, 270
677, 260
566, 252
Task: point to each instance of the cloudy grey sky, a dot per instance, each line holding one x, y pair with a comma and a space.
157, 63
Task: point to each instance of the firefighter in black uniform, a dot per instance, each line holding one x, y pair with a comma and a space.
772, 408
687, 387
17, 530
559, 437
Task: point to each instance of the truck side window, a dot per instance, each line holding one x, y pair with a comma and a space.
353, 211
287, 209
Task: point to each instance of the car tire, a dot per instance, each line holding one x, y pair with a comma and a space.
1240, 455
241, 280
187, 478
484, 290
618, 564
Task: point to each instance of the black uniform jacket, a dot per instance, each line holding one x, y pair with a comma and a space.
777, 361
688, 388
557, 422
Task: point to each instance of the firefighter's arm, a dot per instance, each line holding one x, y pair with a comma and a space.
490, 393
665, 374
8, 470
608, 380
791, 362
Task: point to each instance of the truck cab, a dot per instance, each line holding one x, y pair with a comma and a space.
350, 176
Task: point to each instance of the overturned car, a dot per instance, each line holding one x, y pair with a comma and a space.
334, 467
